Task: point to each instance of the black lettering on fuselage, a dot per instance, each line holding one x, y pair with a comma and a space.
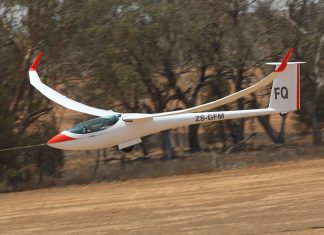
220, 116
277, 92
209, 117
282, 91
200, 118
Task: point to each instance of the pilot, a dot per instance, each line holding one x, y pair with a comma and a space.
85, 129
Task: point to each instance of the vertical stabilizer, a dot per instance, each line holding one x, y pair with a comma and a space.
285, 92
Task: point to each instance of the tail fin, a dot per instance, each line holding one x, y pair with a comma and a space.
285, 92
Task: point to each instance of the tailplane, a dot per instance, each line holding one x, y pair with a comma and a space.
285, 92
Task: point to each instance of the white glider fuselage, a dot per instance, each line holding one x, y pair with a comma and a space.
122, 132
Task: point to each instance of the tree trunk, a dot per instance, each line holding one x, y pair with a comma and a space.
223, 135
193, 138
237, 126
277, 138
265, 123
144, 149
94, 173
312, 106
40, 165
241, 129
281, 135
317, 135
168, 151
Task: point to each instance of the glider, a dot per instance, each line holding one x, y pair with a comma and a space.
126, 129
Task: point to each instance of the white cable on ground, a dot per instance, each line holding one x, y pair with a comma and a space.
22, 147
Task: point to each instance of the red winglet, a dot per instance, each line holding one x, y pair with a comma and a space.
285, 60
36, 62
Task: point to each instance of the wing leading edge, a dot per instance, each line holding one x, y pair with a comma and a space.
61, 99
227, 99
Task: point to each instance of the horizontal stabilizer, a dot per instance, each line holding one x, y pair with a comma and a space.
277, 63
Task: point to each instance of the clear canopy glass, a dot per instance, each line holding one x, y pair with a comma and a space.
94, 125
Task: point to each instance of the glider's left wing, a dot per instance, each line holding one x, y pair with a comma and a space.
61, 99
211, 105
225, 100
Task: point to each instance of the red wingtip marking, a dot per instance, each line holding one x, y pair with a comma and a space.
36, 62
298, 86
285, 60
59, 138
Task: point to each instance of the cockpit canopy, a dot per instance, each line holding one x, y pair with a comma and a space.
94, 125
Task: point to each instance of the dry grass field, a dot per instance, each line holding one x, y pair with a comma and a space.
285, 198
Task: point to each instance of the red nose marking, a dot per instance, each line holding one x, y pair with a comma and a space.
59, 138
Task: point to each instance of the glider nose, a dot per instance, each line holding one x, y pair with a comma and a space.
59, 138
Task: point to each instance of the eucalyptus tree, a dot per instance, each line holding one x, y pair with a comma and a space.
167, 41
307, 19
300, 25
26, 26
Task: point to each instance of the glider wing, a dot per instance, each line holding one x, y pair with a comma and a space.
230, 98
61, 99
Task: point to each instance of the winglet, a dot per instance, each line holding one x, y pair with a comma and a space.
285, 60
36, 62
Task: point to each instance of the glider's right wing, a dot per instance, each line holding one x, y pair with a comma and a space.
61, 99
225, 100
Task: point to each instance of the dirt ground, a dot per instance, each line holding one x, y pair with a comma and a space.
285, 198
